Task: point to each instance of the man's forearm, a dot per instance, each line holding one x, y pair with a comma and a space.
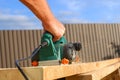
40, 8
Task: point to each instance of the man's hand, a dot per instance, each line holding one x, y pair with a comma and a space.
55, 27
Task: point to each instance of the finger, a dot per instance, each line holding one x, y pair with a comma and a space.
56, 39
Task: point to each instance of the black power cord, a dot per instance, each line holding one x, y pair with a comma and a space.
34, 53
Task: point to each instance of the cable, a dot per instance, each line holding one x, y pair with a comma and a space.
35, 52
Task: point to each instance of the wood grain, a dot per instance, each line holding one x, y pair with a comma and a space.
54, 72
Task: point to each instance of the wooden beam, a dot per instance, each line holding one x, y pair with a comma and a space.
115, 75
103, 72
14, 74
54, 72
96, 74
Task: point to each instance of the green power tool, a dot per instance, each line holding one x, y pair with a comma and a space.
51, 52
54, 52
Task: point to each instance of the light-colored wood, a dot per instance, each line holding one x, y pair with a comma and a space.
78, 77
113, 76
54, 72
96, 74
14, 74
101, 73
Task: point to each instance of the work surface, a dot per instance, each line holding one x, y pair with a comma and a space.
59, 71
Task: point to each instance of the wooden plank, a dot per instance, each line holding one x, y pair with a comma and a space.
113, 76
96, 74
99, 74
13, 74
79, 77
55, 72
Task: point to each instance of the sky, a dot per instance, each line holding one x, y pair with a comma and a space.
15, 15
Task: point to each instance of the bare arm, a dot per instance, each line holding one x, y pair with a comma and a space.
41, 9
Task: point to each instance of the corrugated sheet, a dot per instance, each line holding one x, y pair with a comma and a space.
96, 42
17, 44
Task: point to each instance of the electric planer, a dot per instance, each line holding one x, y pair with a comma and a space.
52, 53
59, 52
